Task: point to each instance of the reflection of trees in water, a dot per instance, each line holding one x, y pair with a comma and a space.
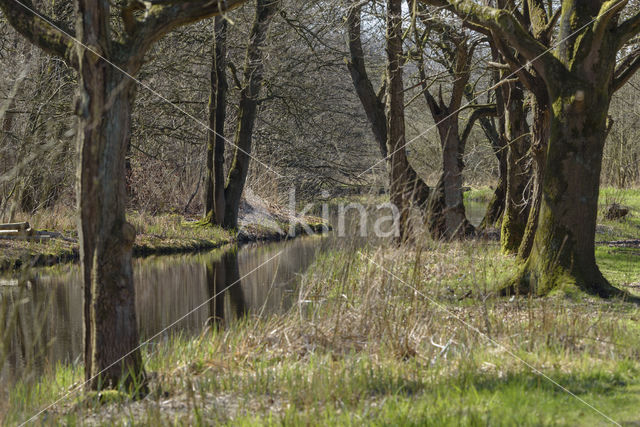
225, 290
269, 288
28, 314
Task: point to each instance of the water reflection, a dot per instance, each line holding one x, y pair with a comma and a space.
225, 290
475, 211
41, 318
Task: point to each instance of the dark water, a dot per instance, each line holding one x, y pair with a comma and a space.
41, 314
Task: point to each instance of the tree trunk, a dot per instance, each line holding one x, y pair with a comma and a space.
495, 208
516, 211
373, 106
435, 220
253, 76
563, 251
540, 138
452, 151
446, 213
214, 189
497, 137
399, 179
103, 105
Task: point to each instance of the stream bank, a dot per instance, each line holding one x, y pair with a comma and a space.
166, 235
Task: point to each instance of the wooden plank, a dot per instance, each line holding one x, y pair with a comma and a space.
15, 226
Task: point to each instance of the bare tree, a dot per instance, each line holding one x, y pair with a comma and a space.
406, 188
226, 195
454, 50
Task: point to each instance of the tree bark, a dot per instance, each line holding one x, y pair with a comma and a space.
495, 207
400, 187
111, 332
540, 138
516, 210
214, 188
453, 221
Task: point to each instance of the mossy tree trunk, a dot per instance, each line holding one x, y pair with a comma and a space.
516, 208
105, 61
563, 249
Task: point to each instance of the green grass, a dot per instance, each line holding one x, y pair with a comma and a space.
480, 194
365, 347
619, 265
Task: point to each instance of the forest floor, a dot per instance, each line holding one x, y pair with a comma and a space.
389, 336
156, 234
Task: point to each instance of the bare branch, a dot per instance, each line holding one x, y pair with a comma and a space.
507, 26
479, 112
626, 69
163, 16
608, 12
629, 29
372, 103
50, 36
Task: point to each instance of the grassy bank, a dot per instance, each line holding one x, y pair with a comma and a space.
387, 336
160, 234
156, 235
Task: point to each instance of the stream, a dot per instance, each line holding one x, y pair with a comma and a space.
41, 315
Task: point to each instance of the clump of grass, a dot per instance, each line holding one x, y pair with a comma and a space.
398, 335
480, 194
171, 233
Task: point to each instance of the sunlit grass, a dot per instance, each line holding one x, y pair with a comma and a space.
479, 194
